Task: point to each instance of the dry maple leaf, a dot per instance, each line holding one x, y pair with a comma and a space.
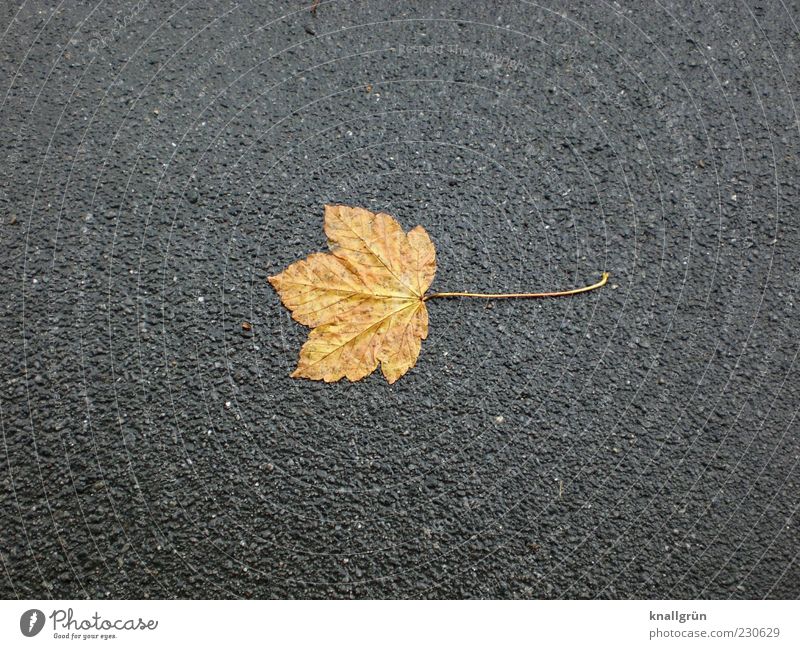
366, 299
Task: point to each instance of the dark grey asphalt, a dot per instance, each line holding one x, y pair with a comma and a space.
161, 159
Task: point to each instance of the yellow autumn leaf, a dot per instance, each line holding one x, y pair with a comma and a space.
364, 299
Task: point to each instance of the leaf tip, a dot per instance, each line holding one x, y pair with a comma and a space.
392, 374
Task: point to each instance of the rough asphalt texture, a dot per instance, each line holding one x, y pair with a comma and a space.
162, 159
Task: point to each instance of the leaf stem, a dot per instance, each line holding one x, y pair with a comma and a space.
498, 296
